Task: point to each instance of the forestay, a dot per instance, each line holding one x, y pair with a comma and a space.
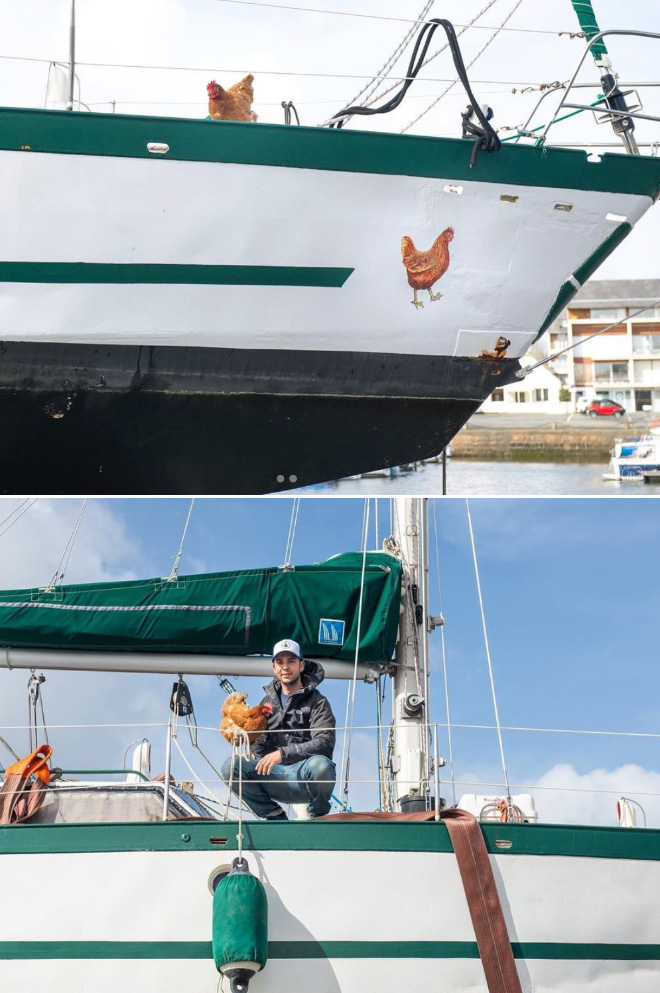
223, 613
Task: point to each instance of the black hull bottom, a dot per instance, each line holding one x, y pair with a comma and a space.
67, 430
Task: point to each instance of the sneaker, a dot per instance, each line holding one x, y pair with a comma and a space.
276, 815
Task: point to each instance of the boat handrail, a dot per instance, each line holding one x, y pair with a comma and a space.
525, 132
591, 42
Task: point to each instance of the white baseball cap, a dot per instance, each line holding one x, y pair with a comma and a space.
287, 646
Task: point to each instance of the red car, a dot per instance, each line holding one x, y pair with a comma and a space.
605, 406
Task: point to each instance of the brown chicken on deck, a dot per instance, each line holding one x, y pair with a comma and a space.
425, 268
234, 104
236, 715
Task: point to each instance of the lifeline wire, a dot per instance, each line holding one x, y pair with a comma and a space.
444, 655
490, 665
259, 72
468, 66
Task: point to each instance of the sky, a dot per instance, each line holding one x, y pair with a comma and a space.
317, 58
571, 604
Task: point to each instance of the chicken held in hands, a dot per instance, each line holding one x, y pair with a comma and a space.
237, 716
234, 104
425, 268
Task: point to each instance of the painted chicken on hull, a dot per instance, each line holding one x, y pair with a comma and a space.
426, 268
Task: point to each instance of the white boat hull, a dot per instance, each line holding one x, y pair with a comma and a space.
190, 319
350, 919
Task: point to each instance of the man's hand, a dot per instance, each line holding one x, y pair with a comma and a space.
266, 765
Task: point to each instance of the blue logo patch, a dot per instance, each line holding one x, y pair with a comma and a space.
331, 632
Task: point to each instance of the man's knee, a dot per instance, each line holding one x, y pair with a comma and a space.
225, 772
319, 768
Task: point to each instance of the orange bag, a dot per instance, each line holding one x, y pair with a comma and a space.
20, 794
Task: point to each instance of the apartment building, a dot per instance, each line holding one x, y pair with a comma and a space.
623, 363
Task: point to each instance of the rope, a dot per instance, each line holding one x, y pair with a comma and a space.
444, 655
201, 782
486, 138
438, 51
177, 558
293, 524
522, 373
374, 83
350, 694
58, 575
469, 65
490, 665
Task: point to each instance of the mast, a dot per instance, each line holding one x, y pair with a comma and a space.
72, 56
409, 735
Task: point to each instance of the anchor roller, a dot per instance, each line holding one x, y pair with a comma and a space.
240, 926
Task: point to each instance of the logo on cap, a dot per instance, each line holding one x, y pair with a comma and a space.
287, 646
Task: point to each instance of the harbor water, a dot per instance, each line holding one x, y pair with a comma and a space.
473, 478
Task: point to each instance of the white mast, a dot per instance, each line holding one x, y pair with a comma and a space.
409, 741
72, 56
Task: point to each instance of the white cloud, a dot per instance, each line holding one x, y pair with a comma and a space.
104, 550
562, 805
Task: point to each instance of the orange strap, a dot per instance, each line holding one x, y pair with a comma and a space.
35, 764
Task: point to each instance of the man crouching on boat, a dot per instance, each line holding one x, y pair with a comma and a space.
293, 761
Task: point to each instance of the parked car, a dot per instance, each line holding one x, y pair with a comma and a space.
605, 406
582, 404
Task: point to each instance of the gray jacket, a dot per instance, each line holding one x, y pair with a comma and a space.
307, 724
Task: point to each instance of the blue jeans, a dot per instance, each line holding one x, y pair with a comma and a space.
310, 781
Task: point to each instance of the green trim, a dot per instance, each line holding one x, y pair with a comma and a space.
568, 289
570, 951
315, 836
588, 268
225, 275
346, 150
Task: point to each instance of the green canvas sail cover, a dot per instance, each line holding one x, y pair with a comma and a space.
222, 613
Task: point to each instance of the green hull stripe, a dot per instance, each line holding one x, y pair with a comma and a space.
579, 951
315, 836
347, 150
568, 289
225, 275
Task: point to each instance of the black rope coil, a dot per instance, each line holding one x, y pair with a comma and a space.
485, 135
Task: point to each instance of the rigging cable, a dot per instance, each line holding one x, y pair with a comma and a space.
444, 654
490, 665
30, 502
62, 566
469, 65
293, 524
525, 371
350, 693
437, 52
485, 136
369, 88
384, 17
174, 575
